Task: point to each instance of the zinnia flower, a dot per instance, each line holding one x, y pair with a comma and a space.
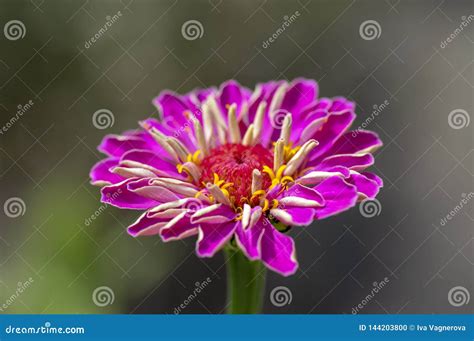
232, 165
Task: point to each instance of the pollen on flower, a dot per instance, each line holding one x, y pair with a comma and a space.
234, 163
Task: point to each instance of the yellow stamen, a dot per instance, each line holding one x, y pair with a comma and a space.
279, 172
227, 185
269, 171
286, 179
290, 152
182, 168
257, 194
274, 203
266, 205
196, 156
244, 200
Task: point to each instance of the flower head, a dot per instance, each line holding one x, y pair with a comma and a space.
236, 166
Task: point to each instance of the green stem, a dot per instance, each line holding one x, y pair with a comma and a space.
245, 283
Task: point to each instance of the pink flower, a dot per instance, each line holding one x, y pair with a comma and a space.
240, 166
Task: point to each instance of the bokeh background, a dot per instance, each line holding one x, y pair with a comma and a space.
45, 155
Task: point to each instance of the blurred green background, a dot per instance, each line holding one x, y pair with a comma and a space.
45, 156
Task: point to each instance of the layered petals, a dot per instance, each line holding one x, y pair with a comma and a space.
237, 167
278, 251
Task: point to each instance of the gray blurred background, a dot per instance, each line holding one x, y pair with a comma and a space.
58, 259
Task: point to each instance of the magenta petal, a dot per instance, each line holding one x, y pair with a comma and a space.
100, 174
263, 92
178, 228
159, 194
212, 237
278, 251
198, 96
249, 240
116, 145
366, 188
121, 196
231, 92
353, 162
213, 214
144, 223
300, 196
153, 159
149, 224
356, 142
300, 94
373, 177
249, 231
340, 104
335, 125
338, 196
172, 107
294, 216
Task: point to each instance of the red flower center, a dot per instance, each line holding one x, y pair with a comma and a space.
235, 163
